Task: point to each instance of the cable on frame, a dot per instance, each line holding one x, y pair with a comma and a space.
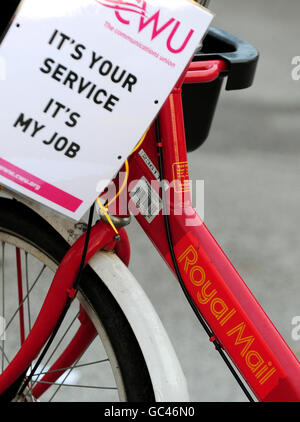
202, 321
104, 208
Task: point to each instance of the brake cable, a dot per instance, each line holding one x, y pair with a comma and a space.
200, 318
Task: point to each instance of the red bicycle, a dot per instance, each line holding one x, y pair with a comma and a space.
75, 296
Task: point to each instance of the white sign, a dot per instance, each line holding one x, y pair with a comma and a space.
84, 80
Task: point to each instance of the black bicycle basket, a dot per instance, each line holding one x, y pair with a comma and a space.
200, 100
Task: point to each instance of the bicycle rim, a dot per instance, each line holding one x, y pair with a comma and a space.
98, 374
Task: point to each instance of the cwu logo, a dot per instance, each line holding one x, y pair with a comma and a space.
128, 12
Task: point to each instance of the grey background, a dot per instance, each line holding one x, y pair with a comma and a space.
250, 165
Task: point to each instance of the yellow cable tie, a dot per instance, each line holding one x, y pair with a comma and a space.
105, 213
140, 141
122, 187
127, 170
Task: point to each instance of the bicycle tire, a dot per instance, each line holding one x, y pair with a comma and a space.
22, 223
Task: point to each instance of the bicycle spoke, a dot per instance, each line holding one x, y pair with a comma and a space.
54, 350
27, 295
77, 385
20, 295
62, 384
4, 356
66, 376
27, 291
69, 367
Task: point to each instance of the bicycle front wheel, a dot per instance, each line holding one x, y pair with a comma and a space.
110, 368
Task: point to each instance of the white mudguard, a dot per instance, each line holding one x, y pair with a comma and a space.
167, 377
165, 371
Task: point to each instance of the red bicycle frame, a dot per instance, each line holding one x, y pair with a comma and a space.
237, 321
235, 317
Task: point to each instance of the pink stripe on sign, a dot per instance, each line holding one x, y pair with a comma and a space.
38, 186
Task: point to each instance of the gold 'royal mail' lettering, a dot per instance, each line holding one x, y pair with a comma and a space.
209, 295
239, 329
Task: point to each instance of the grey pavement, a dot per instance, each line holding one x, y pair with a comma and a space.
250, 165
